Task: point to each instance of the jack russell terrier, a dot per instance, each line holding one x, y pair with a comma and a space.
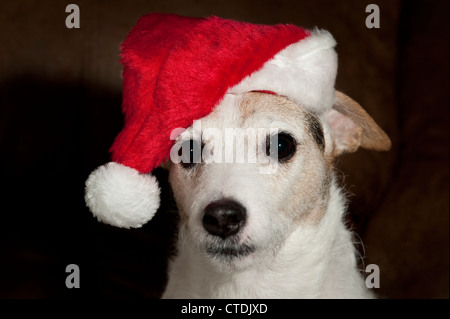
247, 121
246, 234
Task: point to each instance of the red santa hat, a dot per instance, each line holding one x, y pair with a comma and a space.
176, 70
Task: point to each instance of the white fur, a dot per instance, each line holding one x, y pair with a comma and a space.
296, 255
304, 71
120, 196
314, 262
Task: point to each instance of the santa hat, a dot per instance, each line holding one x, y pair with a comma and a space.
176, 70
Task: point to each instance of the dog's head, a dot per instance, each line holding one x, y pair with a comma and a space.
248, 174
253, 166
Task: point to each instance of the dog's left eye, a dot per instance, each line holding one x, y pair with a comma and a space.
281, 145
190, 153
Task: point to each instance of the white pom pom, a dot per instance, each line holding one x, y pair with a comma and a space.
121, 196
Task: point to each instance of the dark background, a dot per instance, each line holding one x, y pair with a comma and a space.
60, 96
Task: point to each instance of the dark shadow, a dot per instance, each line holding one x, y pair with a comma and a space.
52, 135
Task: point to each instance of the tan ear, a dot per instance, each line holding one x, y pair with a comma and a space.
352, 127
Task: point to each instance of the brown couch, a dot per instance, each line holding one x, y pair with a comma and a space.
60, 93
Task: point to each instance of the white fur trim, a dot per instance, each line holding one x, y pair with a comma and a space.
120, 196
304, 72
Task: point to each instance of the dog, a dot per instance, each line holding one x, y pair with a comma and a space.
248, 123
280, 233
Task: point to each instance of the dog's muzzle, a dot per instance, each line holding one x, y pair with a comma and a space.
224, 218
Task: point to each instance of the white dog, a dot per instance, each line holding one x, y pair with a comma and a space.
249, 234
261, 214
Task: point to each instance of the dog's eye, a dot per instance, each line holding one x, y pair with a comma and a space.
190, 153
282, 146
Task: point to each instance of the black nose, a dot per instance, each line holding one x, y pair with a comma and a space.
224, 217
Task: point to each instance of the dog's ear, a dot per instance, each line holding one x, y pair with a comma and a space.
352, 127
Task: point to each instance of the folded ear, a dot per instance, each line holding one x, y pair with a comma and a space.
351, 127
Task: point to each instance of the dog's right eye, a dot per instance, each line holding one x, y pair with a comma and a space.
190, 153
283, 144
